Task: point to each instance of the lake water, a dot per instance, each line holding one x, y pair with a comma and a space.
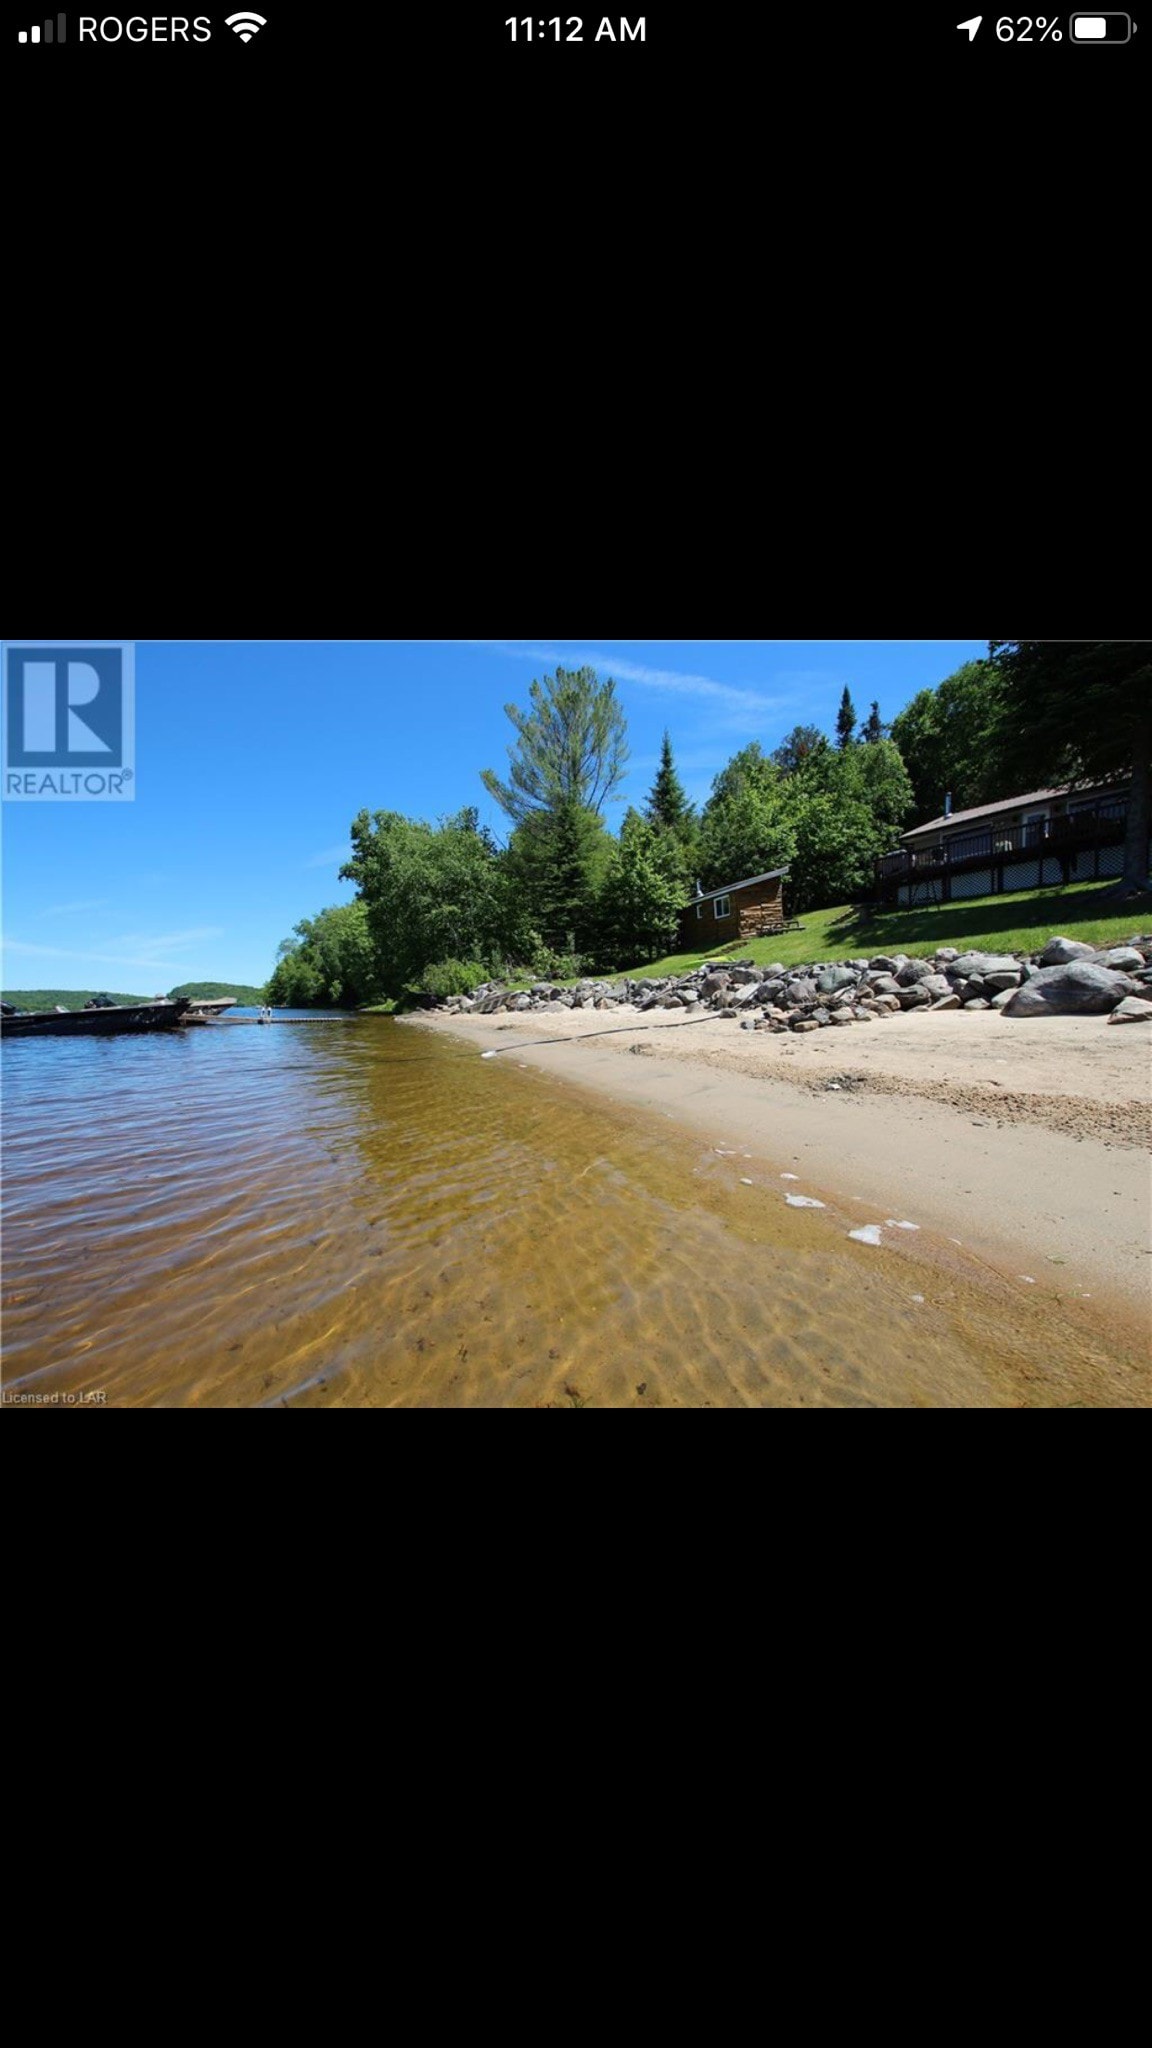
361, 1213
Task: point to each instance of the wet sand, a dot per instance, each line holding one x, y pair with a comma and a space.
1021, 1144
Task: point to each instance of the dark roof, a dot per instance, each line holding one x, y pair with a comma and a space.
734, 888
1010, 803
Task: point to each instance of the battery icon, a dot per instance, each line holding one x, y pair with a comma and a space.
1100, 28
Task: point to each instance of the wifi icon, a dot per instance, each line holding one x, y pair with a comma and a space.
245, 25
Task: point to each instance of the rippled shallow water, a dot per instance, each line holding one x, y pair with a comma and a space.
366, 1214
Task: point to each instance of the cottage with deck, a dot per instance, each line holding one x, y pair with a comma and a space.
1036, 841
741, 910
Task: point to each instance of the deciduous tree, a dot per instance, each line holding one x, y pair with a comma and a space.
1079, 711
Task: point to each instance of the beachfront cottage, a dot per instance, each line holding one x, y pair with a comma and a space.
741, 910
1045, 838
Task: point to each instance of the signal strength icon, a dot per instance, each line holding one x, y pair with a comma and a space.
245, 25
51, 34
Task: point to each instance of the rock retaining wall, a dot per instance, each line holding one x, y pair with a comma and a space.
1066, 977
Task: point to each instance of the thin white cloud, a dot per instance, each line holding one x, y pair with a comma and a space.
75, 909
167, 940
332, 856
148, 962
675, 682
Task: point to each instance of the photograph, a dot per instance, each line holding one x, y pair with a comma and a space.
576, 1023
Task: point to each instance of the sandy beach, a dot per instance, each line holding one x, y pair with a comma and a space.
1022, 1145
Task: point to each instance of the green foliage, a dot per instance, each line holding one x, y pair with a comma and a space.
745, 830
328, 963
211, 991
834, 851
65, 998
553, 871
571, 748
452, 978
792, 753
822, 814
947, 737
1071, 711
875, 771
644, 890
546, 965
667, 805
846, 721
427, 892
843, 808
874, 729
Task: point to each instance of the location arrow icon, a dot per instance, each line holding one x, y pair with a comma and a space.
971, 26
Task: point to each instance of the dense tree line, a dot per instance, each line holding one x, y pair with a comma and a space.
442, 906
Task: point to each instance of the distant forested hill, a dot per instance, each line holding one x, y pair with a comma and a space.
211, 991
67, 998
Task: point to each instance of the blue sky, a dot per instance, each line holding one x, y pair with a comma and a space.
253, 757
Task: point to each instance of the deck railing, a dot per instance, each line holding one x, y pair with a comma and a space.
1104, 825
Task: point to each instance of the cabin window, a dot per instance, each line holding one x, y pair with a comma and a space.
723, 907
1035, 827
700, 909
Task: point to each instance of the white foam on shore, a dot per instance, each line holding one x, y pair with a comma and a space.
869, 1233
803, 1202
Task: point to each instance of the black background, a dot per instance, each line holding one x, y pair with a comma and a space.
784, 301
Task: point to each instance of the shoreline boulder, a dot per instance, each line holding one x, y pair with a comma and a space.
1081, 987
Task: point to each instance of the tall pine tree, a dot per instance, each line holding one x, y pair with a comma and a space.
846, 721
874, 728
668, 805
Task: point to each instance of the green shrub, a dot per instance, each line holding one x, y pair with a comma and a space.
547, 965
452, 978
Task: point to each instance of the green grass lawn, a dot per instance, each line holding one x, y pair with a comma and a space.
995, 924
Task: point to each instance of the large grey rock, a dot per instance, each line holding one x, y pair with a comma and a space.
1061, 952
916, 998
744, 997
1081, 987
937, 985
984, 963
713, 984
799, 994
977, 1003
1006, 978
1122, 956
884, 984
1131, 1011
946, 953
883, 964
741, 975
914, 971
834, 978
946, 1003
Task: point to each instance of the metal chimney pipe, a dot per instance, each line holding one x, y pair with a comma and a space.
948, 805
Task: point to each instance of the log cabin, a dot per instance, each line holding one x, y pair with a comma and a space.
741, 910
